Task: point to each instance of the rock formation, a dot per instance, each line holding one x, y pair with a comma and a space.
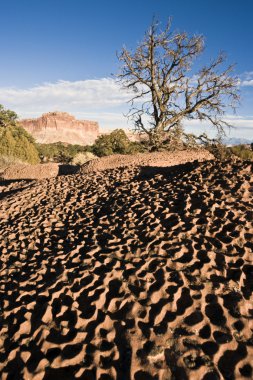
60, 126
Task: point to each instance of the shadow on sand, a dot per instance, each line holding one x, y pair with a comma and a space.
12, 186
65, 169
170, 172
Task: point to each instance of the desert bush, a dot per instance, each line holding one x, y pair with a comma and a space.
81, 158
219, 150
242, 151
59, 152
7, 117
116, 142
214, 146
138, 147
15, 142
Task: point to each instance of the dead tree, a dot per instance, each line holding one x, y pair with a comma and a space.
167, 91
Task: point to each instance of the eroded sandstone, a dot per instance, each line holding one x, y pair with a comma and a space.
53, 127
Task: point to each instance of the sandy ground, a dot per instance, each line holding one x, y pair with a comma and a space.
131, 273
157, 159
38, 172
26, 171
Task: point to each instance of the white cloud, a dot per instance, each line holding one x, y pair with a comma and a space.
248, 75
86, 94
242, 127
247, 83
246, 79
240, 122
99, 99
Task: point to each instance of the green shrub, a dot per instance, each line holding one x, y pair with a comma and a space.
103, 146
7, 117
59, 152
116, 142
242, 152
15, 142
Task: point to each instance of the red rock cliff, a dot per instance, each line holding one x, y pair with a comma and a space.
60, 126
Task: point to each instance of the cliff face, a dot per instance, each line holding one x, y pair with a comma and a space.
60, 126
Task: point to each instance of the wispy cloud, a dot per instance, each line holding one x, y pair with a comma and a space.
78, 95
99, 99
242, 127
248, 83
246, 79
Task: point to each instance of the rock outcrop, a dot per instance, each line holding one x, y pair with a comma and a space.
60, 126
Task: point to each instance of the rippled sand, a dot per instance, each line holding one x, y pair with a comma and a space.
129, 273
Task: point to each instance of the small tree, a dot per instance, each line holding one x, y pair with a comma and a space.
15, 141
166, 91
113, 143
7, 117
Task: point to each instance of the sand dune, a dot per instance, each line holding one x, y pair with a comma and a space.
131, 273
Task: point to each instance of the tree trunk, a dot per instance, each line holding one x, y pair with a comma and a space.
156, 139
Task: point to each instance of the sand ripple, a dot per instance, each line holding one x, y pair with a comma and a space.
133, 273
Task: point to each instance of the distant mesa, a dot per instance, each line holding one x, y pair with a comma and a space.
57, 126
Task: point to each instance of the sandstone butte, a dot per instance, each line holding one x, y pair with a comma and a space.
57, 126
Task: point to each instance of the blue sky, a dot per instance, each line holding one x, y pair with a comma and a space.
60, 54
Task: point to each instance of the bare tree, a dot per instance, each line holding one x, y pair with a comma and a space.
166, 91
